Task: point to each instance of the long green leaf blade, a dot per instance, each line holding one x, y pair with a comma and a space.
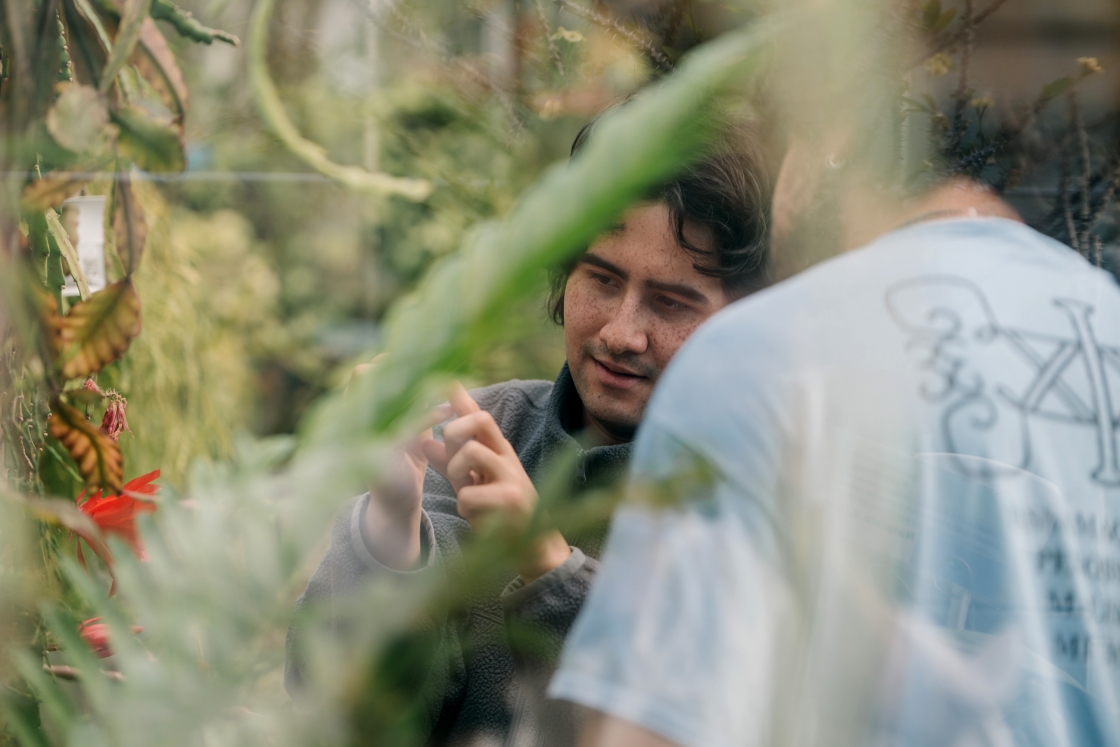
634, 148
135, 11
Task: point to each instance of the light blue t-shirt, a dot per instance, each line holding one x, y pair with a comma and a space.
877, 504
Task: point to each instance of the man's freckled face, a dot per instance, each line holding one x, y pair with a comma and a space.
629, 305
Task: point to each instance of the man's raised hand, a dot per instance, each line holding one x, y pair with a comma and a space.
488, 478
392, 517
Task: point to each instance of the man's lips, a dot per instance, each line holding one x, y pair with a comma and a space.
616, 376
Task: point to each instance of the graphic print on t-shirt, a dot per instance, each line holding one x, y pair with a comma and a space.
1023, 390
995, 379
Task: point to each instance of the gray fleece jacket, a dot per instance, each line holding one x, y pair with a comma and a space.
490, 665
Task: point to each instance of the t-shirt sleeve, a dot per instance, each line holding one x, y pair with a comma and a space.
677, 633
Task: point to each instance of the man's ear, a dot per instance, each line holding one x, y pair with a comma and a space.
794, 189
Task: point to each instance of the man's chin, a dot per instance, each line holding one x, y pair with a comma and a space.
619, 421
618, 410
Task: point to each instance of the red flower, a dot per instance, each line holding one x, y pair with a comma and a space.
116, 514
96, 634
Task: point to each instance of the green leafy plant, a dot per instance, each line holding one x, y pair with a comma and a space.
214, 596
87, 92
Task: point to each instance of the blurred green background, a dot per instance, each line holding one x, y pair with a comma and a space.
264, 283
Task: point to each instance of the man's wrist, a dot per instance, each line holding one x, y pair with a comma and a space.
547, 554
392, 536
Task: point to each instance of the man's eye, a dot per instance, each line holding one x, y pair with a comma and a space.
671, 303
601, 279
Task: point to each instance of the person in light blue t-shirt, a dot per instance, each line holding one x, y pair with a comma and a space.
877, 503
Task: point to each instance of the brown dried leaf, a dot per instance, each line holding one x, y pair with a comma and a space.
51, 190
99, 460
98, 331
49, 320
156, 64
129, 226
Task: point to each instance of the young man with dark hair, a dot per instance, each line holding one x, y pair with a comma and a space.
898, 472
626, 305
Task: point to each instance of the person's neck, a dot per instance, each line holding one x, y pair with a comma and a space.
954, 200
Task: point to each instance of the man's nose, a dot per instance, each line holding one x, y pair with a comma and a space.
625, 331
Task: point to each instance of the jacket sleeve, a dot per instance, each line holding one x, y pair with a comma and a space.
538, 617
347, 568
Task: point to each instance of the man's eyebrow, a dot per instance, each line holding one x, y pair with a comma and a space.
593, 259
679, 289
684, 291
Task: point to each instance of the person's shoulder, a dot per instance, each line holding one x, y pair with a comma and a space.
996, 240
516, 398
1013, 259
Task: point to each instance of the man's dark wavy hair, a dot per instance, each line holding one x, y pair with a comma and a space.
726, 193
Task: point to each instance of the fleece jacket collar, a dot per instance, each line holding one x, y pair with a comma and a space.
597, 466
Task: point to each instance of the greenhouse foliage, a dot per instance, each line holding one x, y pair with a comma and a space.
431, 196
136, 614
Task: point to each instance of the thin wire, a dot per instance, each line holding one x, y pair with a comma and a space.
189, 176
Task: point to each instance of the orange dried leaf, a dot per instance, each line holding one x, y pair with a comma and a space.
98, 331
99, 460
47, 308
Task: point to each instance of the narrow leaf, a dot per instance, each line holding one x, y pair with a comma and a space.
944, 20
151, 144
104, 42
129, 226
66, 515
98, 331
57, 471
187, 26
69, 253
45, 57
99, 460
55, 277
156, 64
39, 249
915, 105
1057, 87
930, 13
128, 33
88, 48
